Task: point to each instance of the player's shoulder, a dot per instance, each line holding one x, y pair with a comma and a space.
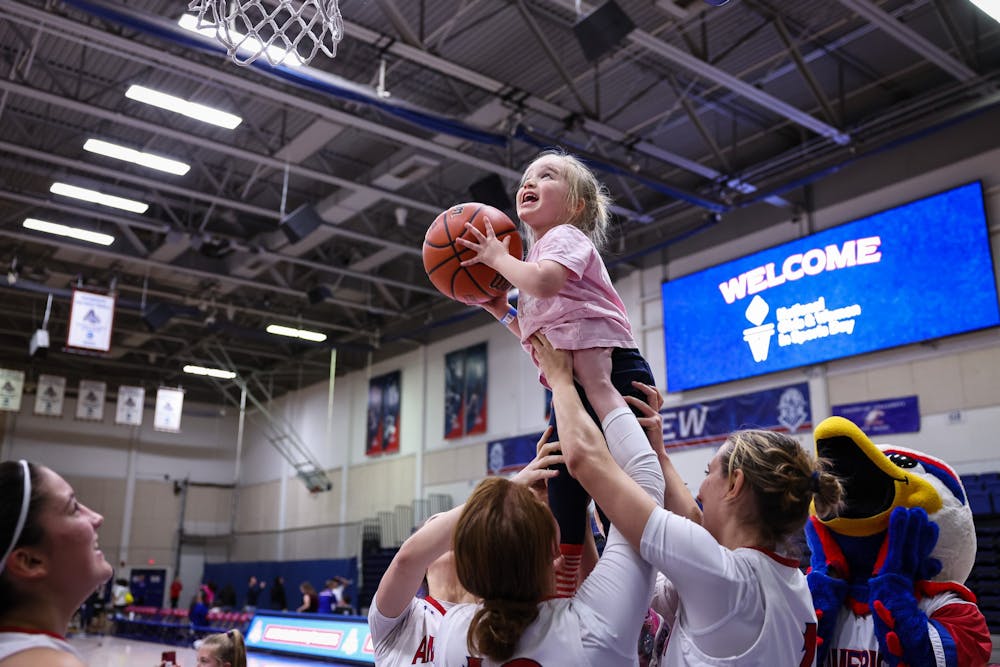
50, 657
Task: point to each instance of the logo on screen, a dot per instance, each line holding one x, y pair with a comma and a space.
758, 337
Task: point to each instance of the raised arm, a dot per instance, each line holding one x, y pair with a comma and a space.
539, 279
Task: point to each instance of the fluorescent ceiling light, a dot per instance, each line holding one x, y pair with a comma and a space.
211, 372
72, 232
991, 7
178, 105
244, 44
150, 160
96, 197
292, 332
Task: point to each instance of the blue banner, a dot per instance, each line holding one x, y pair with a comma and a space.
511, 454
784, 409
890, 415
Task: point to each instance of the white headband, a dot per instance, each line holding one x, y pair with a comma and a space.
25, 501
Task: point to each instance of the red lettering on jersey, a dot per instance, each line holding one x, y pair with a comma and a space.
808, 645
859, 657
425, 651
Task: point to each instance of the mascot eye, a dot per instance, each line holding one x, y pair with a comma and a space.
903, 461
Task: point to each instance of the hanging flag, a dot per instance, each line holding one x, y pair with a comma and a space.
90, 320
168, 409
50, 395
131, 401
90, 400
11, 388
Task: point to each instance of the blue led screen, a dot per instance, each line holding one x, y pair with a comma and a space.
915, 272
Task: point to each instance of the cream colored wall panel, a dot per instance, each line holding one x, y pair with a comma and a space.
847, 388
451, 465
888, 382
380, 486
938, 382
980, 377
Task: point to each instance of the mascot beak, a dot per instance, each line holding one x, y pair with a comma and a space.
873, 485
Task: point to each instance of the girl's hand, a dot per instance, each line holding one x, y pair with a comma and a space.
488, 247
535, 474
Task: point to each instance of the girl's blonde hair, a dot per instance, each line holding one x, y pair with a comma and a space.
227, 647
784, 479
594, 217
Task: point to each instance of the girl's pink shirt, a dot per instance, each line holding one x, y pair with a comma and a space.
587, 312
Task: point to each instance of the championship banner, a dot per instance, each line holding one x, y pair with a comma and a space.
383, 414
90, 400
11, 388
785, 409
50, 395
90, 320
890, 415
465, 392
169, 404
131, 401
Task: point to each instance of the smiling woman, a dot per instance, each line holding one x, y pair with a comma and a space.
51, 563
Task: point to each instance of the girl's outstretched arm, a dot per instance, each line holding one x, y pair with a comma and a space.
539, 279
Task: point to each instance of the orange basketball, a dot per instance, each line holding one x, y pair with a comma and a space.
476, 283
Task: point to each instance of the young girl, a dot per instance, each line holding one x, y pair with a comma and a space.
225, 649
566, 294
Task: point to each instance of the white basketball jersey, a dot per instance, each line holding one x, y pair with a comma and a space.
552, 640
409, 638
788, 635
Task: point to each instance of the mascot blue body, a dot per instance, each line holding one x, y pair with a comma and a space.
887, 572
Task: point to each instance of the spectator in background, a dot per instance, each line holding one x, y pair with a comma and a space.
310, 601
227, 598
208, 592
254, 588
50, 563
339, 585
120, 595
175, 592
198, 611
279, 600
325, 596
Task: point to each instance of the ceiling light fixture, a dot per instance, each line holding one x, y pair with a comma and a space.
211, 372
144, 159
71, 232
96, 197
991, 7
194, 110
251, 44
292, 332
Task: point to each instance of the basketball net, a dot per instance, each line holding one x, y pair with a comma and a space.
284, 32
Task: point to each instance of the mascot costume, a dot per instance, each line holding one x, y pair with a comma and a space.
887, 572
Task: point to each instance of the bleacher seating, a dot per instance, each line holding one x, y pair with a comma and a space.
984, 500
172, 626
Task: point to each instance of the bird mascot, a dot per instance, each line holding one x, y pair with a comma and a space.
887, 571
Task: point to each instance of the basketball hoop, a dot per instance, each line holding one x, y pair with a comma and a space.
284, 32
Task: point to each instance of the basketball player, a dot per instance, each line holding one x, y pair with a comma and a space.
403, 626
738, 601
50, 565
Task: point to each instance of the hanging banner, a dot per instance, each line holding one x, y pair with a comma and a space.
90, 319
11, 388
383, 414
131, 401
90, 400
784, 409
169, 403
50, 395
507, 456
465, 392
890, 415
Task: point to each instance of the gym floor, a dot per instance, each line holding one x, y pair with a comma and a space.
109, 651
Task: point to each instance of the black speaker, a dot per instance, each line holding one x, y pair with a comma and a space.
490, 190
300, 223
601, 30
157, 315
